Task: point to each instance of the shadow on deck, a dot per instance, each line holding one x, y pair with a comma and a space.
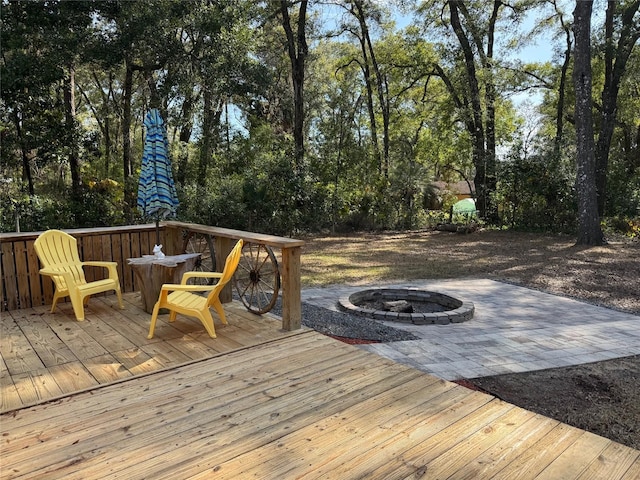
257, 402
45, 356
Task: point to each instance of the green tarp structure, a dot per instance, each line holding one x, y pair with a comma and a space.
465, 206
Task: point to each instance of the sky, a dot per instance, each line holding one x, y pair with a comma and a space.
540, 51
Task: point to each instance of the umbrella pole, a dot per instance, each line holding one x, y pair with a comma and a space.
157, 230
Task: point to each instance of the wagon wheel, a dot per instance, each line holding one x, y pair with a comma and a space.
203, 244
257, 279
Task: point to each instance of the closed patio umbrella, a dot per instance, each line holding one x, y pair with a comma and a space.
157, 195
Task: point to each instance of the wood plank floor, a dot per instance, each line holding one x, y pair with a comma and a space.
45, 356
299, 407
260, 403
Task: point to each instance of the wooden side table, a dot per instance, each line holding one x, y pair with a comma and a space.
153, 272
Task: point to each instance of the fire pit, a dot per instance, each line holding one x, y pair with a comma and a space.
407, 305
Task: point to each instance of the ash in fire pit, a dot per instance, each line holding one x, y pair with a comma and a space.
408, 305
392, 306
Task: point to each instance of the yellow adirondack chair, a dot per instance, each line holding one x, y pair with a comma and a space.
58, 253
183, 299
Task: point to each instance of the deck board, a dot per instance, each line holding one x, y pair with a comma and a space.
258, 402
45, 355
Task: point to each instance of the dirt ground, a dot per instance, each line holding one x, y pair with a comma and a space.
601, 397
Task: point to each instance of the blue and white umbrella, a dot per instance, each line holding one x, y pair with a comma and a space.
157, 196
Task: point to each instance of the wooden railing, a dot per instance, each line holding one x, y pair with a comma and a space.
23, 287
290, 249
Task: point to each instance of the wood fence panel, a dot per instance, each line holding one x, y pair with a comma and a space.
127, 272
107, 248
22, 286
35, 279
107, 255
47, 289
86, 253
22, 275
147, 241
10, 284
97, 255
116, 255
135, 252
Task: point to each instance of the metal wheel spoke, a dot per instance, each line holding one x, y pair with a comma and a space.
257, 279
266, 297
251, 301
244, 267
248, 285
269, 284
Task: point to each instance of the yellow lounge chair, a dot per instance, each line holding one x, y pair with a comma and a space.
181, 299
58, 253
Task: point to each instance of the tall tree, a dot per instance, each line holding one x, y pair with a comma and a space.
209, 68
73, 20
589, 231
370, 65
297, 50
70, 121
41, 41
566, 28
483, 109
144, 35
620, 18
469, 71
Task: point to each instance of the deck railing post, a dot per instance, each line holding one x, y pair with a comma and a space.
291, 302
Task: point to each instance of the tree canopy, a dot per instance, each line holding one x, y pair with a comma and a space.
304, 115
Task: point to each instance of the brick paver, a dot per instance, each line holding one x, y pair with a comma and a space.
514, 329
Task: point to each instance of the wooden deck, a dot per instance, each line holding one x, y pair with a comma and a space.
46, 355
266, 404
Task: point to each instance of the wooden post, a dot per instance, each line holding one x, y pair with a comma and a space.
291, 301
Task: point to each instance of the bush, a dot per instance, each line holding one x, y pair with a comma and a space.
629, 227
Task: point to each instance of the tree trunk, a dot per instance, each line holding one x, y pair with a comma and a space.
210, 133
206, 150
491, 184
615, 60
102, 119
24, 153
381, 87
127, 167
298, 51
561, 91
589, 231
477, 128
154, 96
26, 170
366, 71
70, 122
383, 99
184, 137
368, 62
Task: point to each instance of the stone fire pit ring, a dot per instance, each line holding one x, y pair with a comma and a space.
453, 310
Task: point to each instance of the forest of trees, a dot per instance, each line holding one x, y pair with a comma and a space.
289, 116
